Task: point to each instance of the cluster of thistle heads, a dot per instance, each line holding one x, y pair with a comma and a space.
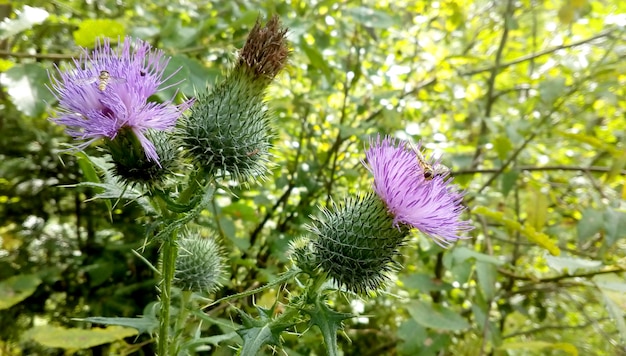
226, 132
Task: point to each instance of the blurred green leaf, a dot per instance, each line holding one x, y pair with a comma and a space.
17, 288
508, 181
143, 324
614, 225
487, 274
502, 146
25, 84
316, 59
536, 208
615, 304
371, 17
77, 339
551, 88
191, 76
241, 211
423, 283
436, 316
590, 224
460, 254
571, 265
175, 35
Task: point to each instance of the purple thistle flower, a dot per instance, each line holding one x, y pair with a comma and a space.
427, 202
107, 91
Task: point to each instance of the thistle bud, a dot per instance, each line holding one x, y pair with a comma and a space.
301, 252
228, 131
132, 165
199, 264
356, 241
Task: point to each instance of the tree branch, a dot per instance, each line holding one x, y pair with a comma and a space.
536, 55
538, 168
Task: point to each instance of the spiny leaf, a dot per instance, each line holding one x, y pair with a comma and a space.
329, 322
259, 332
143, 324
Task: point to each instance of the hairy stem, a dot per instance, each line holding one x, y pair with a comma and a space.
168, 255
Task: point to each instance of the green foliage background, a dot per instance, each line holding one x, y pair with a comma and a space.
523, 100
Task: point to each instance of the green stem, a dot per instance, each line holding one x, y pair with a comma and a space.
319, 279
192, 187
168, 255
284, 278
181, 322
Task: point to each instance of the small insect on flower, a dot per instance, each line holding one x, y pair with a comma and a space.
253, 152
430, 171
104, 79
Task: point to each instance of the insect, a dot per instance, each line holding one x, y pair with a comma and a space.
430, 171
255, 151
104, 79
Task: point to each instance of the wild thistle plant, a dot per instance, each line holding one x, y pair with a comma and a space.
227, 135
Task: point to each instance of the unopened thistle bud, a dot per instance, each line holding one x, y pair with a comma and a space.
132, 165
356, 241
301, 252
199, 264
228, 131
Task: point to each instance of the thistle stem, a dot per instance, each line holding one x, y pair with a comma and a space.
168, 255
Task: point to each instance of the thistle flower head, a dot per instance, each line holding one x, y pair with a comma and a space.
228, 131
107, 91
415, 197
355, 243
199, 263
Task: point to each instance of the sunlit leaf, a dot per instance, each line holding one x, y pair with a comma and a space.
89, 30
77, 339
25, 84
538, 346
503, 146
539, 238
26, 18
536, 208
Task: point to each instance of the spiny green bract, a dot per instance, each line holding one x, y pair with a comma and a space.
199, 264
356, 242
131, 164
